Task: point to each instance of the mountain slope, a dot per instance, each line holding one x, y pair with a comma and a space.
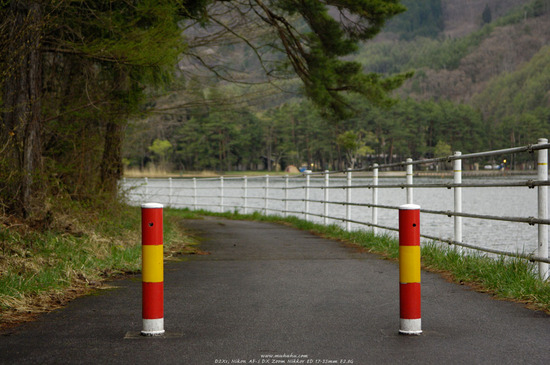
458, 68
461, 17
504, 50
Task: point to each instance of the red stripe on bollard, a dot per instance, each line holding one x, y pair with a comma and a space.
409, 225
153, 300
152, 269
409, 301
151, 225
409, 270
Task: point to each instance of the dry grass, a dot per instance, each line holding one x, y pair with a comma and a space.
157, 172
42, 269
152, 171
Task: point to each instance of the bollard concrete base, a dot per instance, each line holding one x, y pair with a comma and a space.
153, 327
137, 335
410, 326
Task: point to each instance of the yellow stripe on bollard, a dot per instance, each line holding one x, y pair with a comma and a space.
409, 264
153, 268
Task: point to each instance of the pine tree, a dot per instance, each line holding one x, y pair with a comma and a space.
335, 27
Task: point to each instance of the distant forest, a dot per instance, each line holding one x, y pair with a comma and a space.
499, 108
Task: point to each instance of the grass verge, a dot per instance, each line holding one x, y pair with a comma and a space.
505, 278
43, 268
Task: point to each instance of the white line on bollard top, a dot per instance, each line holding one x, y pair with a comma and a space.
409, 207
151, 205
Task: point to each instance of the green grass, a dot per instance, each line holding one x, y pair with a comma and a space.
506, 278
34, 262
39, 268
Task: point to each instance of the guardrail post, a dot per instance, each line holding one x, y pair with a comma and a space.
245, 194
169, 192
266, 200
409, 181
286, 196
375, 198
194, 193
409, 270
457, 168
542, 169
348, 200
326, 196
152, 270
221, 194
306, 216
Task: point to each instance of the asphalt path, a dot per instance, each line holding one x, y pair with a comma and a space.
274, 295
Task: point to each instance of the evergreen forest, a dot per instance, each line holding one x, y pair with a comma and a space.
481, 85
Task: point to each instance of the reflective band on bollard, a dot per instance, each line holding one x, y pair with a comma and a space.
152, 270
409, 270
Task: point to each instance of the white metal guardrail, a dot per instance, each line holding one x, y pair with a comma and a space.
256, 194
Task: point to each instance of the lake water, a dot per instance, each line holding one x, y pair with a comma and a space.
508, 201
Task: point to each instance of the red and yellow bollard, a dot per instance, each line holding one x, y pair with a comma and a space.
409, 270
152, 270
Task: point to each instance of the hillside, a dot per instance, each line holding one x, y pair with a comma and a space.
503, 50
459, 61
462, 17
455, 47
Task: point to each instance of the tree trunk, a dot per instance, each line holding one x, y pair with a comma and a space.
22, 109
340, 163
269, 148
111, 163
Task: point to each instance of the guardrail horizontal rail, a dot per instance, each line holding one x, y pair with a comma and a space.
233, 192
529, 183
